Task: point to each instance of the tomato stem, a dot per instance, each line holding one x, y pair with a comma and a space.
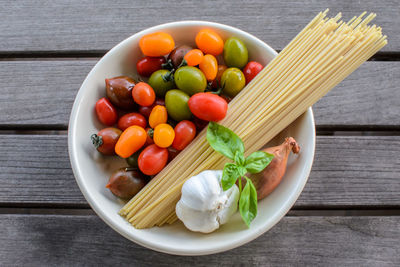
168, 65
96, 140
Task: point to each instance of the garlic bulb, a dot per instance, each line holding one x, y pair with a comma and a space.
204, 206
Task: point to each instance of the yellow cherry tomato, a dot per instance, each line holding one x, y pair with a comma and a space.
209, 66
163, 135
158, 115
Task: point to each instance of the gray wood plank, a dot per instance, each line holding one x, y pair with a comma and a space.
41, 93
347, 171
99, 25
35, 240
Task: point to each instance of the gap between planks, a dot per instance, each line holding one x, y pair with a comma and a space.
293, 212
97, 54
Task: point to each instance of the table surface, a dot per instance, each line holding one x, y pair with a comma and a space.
348, 213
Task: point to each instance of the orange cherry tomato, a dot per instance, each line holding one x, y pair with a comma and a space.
163, 135
143, 94
217, 81
209, 66
130, 141
158, 115
209, 42
156, 44
194, 57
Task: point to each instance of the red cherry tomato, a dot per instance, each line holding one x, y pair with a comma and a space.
147, 65
207, 106
251, 70
132, 119
185, 131
153, 159
145, 111
143, 94
105, 140
106, 112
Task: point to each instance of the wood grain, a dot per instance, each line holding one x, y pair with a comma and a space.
99, 25
301, 241
41, 93
347, 171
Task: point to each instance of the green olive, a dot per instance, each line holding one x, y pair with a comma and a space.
232, 81
191, 80
158, 84
235, 53
176, 102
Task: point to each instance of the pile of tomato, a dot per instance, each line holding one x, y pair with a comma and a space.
179, 90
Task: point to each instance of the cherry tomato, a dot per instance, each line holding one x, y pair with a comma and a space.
153, 159
145, 111
163, 135
147, 65
156, 44
209, 42
105, 140
185, 131
157, 116
251, 70
132, 119
209, 66
126, 183
143, 94
172, 153
208, 106
130, 141
217, 81
149, 138
194, 57
119, 92
106, 113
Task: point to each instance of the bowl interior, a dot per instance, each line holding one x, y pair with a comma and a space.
93, 170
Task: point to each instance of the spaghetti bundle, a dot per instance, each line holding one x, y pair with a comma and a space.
324, 53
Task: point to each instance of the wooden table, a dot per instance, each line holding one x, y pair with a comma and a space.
348, 213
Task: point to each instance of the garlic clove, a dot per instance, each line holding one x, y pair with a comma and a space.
195, 220
202, 191
230, 206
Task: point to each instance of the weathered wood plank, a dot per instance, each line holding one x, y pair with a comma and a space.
41, 93
99, 25
347, 171
85, 240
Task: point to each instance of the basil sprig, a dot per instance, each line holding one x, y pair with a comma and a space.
226, 142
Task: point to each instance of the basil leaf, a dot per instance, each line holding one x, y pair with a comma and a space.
258, 161
229, 176
223, 140
242, 170
248, 202
239, 158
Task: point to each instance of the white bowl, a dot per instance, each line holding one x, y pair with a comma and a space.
92, 170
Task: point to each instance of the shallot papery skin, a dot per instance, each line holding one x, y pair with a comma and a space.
267, 180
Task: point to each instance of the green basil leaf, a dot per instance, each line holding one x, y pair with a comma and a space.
258, 161
239, 158
229, 176
248, 202
242, 170
223, 140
